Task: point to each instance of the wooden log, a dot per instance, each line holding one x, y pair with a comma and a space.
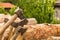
29, 21
41, 31
6, 33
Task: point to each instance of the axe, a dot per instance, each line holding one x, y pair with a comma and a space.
17, 13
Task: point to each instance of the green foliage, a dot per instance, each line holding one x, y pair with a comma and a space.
2, 10
11, 11
56, 20
42, 10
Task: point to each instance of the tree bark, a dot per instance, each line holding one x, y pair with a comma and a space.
38, 32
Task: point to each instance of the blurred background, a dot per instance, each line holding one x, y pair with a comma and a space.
45, 11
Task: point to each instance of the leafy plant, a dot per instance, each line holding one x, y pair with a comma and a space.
2, 10
42, 10
11, 11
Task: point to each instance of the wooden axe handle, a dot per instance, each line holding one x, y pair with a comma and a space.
7, 24
18, 12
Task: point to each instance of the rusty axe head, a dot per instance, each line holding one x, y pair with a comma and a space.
19, 12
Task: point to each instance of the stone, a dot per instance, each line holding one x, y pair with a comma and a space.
32, 21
